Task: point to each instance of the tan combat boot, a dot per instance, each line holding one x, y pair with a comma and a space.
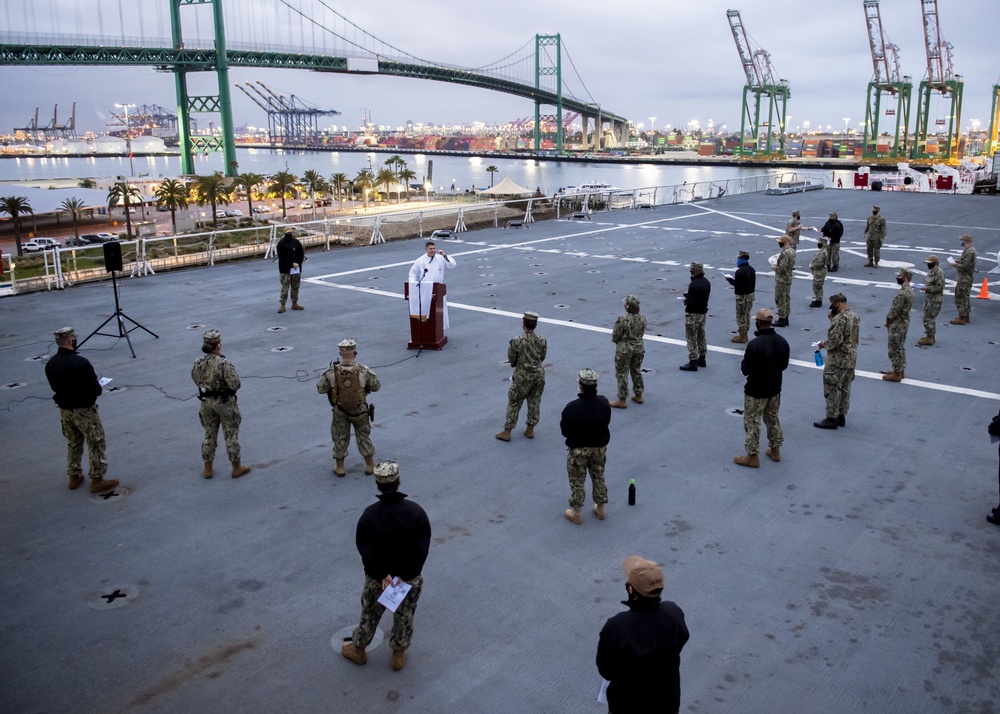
740, 338
504, 435
239, 470
599, 510
209, 472
100, 485
398, 660
281, 308
637, 398
925, 342
573, 514
774, 452
619, 404
355, 654
338, 468
959, 321
893, 377
751, 460
75, 482
529, 431
296, 306
369, 465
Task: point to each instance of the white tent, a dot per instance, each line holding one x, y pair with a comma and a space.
506, 188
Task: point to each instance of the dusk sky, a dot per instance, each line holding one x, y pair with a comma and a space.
675, 61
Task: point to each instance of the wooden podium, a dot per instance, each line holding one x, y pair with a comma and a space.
428, 334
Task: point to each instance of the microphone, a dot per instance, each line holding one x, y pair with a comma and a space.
425, 271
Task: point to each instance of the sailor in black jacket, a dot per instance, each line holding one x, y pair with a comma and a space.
744, 284
765, 358
696, 307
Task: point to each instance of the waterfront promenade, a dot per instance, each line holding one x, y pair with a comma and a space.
857, 575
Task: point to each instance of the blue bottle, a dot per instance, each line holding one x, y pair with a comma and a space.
818, 356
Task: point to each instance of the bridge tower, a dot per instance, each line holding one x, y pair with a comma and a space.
218, 103
546, 66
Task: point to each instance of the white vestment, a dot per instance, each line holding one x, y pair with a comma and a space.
424, 273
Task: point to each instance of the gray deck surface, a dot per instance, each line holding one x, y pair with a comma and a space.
858, 574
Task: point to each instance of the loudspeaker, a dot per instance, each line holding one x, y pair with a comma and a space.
113, 256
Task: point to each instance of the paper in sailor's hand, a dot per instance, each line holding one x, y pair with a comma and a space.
393, 595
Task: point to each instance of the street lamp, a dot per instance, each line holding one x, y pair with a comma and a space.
652, 124
847, 120
128, 137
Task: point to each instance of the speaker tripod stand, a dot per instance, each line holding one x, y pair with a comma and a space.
119, 318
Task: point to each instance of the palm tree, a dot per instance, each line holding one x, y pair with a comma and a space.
396, 162
15, 207
364, 182
405, 176
249, 181
386, 178
214, 190
314, 182
86, 183
282, 185
121, 192
491, 170
172, 194
74, 207
340, 184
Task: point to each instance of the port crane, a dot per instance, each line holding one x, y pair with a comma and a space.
888, 82
762, 86
289, 121
942, 79
993, 141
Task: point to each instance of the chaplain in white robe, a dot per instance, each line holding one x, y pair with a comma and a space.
427, 270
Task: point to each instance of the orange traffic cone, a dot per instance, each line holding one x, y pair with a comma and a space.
984, 292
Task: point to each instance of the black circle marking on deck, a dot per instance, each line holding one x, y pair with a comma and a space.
114, 494
195, 326
276, 328
12, 385
282, 348
560, 306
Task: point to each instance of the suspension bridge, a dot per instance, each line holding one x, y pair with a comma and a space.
212, 36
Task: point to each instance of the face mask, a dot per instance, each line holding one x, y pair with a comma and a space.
835, 308
73, 343
899, 281
931, 266
874, 213
820, 246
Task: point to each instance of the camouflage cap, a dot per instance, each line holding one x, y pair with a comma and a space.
931, 259
744, 255
288, 231
782, 239
64, 332
838, 297
386, 471
529, 315
697, 268
796, 214
966, 238
904, 273
833, 214
211, 337
348, 345
876, 208
588, 376
821, 240
643, 575
631, 301
764, 315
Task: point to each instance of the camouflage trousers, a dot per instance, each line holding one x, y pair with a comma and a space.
819, 277
837, 390
371, 613
932, 306
897, 344
744, 304
783, 296
340, 430
579, 461
754, 408
524, 388
874, 248
694, 333
79, 426
963, 288
833, 258
628, 361
215, 413
290, 281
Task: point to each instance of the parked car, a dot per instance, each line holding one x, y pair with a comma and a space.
220, 215
74, 242
306, 204
261, 209
36, 245
234, 213
320, 202
98, 238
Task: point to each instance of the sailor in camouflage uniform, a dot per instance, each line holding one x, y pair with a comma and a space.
818, 265
76, 388
218, 383
933, 291
783, 280
875, 230
841, 345
347, 385
585, 424
966, 266
898, 322
526, 353
629, 352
